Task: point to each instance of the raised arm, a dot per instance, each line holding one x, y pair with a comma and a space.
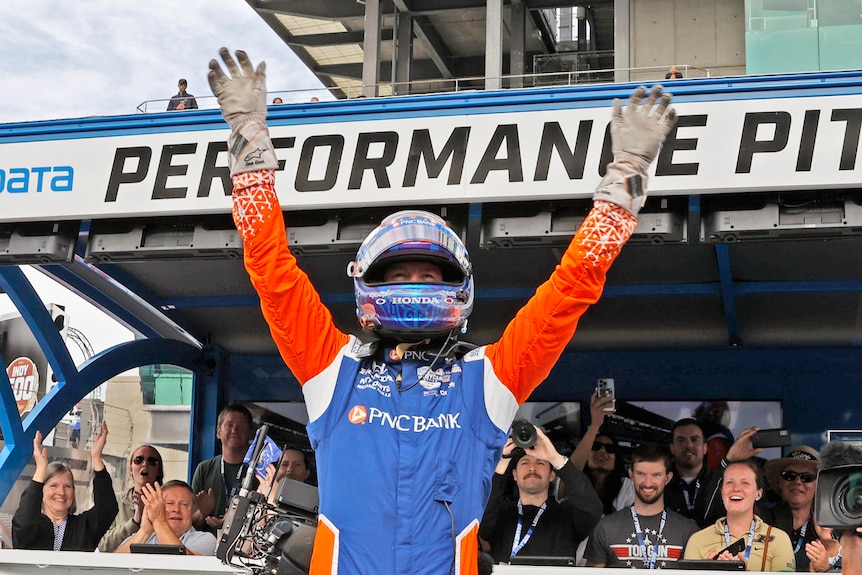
301, 325
599, 409
535, 338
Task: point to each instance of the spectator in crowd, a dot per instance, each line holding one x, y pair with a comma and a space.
673, 74
167, 520
315, 99
538, 524
714, 419
740, 450
182, 100
217, 480
597, 456
277, 100
766, 548
690, 477
145, 467
647, 535
794, 478
294, 463
55, 525
414, 294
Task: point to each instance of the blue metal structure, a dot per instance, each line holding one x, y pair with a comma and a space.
73, 382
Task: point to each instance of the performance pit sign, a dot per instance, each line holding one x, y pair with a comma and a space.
24, 379
528, 153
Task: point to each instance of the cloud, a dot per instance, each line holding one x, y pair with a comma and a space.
65, 59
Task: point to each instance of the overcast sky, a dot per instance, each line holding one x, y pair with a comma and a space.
75, 58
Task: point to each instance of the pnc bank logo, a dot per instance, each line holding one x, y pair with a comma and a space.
358, 414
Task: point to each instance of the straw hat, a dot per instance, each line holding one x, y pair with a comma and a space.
796, 454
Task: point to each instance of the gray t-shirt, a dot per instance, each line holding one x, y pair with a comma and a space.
614, 541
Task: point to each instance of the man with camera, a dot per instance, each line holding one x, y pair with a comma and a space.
536, 523
647, 535
838, 502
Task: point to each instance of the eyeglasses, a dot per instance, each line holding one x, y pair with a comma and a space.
609, 448
805, 476
139, 459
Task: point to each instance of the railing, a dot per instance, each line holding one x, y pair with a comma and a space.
444, 85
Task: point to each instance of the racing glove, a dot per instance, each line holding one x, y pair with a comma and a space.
636, 135
242, 97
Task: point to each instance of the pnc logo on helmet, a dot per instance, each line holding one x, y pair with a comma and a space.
358, 414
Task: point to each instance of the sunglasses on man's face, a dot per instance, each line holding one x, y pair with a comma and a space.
139, 459
609, 448
805, 476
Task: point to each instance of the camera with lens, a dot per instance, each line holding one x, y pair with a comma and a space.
838, 501
524, 434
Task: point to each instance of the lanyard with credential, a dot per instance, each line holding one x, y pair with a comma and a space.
229, 493
518, 543
801, 540
648, 554
750, 537
689, 504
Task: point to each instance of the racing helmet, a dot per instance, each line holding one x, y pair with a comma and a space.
412, 311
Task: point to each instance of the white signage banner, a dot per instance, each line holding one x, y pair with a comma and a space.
725, 146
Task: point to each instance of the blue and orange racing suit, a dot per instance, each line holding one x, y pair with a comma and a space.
404, 476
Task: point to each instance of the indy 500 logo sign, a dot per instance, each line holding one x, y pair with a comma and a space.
24, 379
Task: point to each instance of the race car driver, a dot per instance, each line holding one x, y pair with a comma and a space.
407, 431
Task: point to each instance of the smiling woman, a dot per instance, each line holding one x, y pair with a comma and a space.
57, 527
765, 548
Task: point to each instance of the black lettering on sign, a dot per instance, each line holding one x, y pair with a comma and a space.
750, 145
283, 144
574, 160
607, 155
143, 154
335, 143
212, 172
511, 163
167, 169
361, 161
853, 117
421, 148
806, 141
673, 143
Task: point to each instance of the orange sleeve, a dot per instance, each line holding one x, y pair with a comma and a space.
300, 324
533, 341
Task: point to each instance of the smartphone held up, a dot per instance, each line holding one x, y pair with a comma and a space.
606, 393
